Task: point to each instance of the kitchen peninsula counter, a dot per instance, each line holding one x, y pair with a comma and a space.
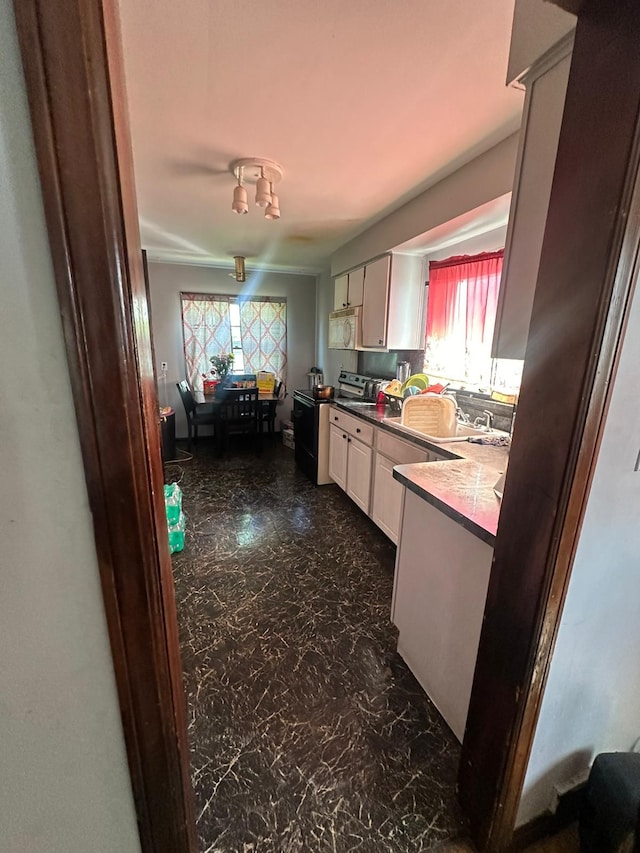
462, 489
448, 521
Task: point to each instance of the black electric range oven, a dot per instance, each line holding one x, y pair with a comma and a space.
311, 434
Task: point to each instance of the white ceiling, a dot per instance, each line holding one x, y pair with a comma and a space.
364, 104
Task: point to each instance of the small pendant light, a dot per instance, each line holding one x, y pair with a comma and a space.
240, 200
240, 274
273, 209
263, 191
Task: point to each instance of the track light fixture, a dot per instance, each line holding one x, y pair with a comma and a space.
265, 174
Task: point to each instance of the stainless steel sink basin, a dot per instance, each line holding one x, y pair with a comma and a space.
462, 433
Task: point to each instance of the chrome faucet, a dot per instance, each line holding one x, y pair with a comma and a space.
487, 417
463, 417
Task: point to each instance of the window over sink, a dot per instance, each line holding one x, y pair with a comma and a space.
461, 316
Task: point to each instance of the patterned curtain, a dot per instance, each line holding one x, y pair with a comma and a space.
206, 330
264, 335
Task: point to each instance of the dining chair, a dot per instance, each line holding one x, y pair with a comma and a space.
198, 414
238, 413
268, 410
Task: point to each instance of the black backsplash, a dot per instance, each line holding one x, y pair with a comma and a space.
382, 365
474, 404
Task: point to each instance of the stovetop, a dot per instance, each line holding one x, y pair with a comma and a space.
307, 393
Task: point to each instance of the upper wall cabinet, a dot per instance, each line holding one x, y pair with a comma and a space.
374, 304
391, 292
546, 85
349, 289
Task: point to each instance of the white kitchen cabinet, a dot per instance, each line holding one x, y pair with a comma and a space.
405, 321
338, 451
348, 290
340, 293
440, 588
350, 454
387, 498
375, 303
386, 506
359, 473
391, 292
356, 287
546, 85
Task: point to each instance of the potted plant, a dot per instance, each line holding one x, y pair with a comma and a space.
222, 364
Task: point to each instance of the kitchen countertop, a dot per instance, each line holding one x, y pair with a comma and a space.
462, 489
461, 486
495, 457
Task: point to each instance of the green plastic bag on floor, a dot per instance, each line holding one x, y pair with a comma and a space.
176, 534
175, 517
172, 502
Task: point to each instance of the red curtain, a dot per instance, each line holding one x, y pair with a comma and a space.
461, 315
482, 276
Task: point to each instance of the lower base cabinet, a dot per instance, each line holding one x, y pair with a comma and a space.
350, 466
386, 509
387, 498
338, 456
359, 473
366, 474
440, 588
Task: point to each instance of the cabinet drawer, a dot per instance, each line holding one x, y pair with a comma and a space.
354, 426
400, 452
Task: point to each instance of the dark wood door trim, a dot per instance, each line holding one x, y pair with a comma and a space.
583, 287
73, 69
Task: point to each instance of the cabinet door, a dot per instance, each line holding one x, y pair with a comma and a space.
387, 498
544, 104
359, 473
356, 287
338, 456
375, 303
340, 292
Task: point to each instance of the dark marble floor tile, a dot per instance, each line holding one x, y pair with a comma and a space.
307, 731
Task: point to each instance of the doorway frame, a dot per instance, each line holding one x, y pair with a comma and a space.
586, 275
71, 55
73, 68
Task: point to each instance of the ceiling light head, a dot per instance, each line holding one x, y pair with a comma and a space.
263, 192
240, 200
273, 209
264, 173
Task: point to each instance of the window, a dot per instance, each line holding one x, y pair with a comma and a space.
461, 315
254, 330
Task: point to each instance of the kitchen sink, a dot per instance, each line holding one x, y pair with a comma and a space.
462, 433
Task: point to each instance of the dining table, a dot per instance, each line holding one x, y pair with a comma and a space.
269, 402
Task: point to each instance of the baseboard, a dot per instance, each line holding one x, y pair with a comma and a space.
549, 823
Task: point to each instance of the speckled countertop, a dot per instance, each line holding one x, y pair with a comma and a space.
461, 486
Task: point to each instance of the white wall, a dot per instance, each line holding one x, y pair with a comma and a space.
483, 179
537, 26
166, 281
592, 699
64, 784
